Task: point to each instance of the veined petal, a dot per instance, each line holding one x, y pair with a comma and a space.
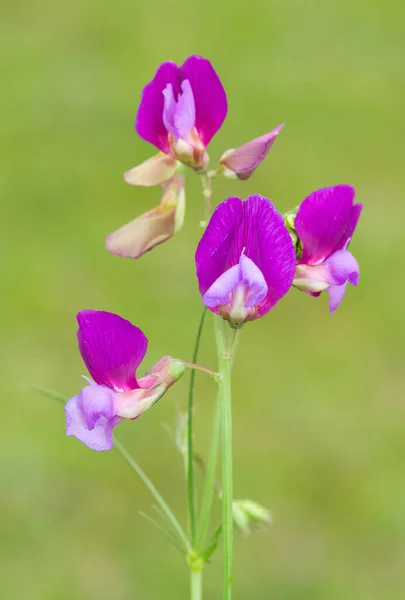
351, 226
149, 119
221, 244
323, 220
209, 96
184, 115
111, 347
153, 171
244, 160
99, 437
268, 244
153, 227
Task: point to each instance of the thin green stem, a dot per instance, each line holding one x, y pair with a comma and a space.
224, 367
190, 461
196, 584
162, 503
209, 480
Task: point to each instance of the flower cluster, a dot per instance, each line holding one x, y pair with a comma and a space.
248, 258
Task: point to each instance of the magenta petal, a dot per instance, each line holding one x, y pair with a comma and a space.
322, 221
111, 347
341, 267
244, 160
209, 96
221, 244
149, 119
268, 244
350, 227
99, 437
336, 295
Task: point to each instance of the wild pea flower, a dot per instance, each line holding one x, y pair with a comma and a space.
180, 111
112, 349
155, 226
241, 162
325, 223
245, 259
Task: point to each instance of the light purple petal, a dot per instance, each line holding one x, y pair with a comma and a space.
221, 244
220, 291
336, 295
97, 438
97, 401
268, 244
112, 348
209, 96
149, 119
184, 116
322, 222
169, 107
252, 277
341, 267
244, 160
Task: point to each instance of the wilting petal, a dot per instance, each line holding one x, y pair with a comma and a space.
244, 160
209, 96
99, 436
336, 295
153, 171
222, 243
149, 119
111, 347
184, 116
322, 221
154, 227
268, 244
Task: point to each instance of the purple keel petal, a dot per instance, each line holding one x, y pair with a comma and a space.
244, 160
220, 291
268, 244
342, 267
111, 347
169, 108
254, 281
149, 119
322, 221
221, 244
99, 437
209, 96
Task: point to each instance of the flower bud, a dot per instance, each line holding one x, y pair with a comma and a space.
248, 515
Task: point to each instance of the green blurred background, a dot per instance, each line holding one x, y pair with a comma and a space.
319, 412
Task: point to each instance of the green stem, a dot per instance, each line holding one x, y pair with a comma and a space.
224, 368
190, 461
196, 584
209, 481
162, 503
